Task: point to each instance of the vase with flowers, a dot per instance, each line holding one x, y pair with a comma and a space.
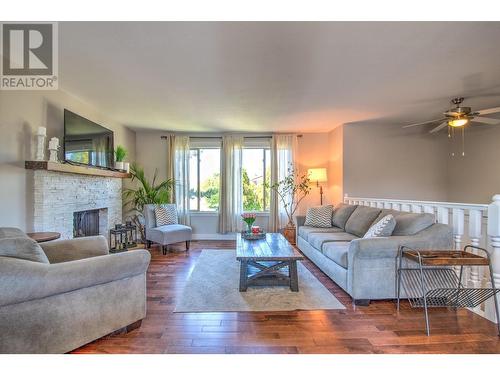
249, 219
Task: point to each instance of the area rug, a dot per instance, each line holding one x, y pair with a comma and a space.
213, 287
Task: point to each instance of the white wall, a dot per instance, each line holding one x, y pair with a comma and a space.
21, 113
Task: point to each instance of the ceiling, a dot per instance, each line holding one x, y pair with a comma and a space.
277, 76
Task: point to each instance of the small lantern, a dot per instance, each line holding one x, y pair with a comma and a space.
131, 235
122, 237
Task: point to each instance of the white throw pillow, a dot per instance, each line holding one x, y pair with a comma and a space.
166, 214
382, 228
319, 216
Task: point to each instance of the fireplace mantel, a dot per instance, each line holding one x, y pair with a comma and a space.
77, 169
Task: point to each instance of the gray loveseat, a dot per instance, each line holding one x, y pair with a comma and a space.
63, 294
366, 268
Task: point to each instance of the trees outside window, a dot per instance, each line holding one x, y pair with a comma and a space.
204, 179
256, 172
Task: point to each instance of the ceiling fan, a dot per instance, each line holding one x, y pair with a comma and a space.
459, 116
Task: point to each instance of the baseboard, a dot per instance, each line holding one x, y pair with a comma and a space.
214, 236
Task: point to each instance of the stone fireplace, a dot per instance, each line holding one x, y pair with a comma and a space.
76, 204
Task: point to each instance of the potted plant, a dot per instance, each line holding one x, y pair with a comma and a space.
147, 192
120, 154
290, 191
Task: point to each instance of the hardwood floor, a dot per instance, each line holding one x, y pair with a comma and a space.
377, 328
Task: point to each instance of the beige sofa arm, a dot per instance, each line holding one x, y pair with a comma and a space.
23, 280
75, 249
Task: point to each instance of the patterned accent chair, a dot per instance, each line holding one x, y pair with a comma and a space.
164, 235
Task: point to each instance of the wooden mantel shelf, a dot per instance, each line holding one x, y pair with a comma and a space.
78, 169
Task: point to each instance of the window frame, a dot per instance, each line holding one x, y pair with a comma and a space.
197, 148
266, 210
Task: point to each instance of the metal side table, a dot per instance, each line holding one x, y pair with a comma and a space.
429, 279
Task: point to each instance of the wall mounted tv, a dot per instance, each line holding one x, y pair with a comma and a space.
86, 142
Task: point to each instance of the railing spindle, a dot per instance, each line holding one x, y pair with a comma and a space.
475, 219
494, 234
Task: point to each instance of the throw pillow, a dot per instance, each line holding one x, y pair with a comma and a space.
382, 228
341, 214
22, 248
166, 214
320, 216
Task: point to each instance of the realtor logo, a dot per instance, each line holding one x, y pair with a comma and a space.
29, 56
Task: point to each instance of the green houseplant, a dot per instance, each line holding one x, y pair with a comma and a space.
145, 192
291, 190
120, 155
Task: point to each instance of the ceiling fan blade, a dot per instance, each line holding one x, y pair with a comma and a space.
486, 120
423, 123
439, 127
488, 111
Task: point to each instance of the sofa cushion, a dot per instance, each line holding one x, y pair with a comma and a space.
408, 224
337, 251
305, 231
22, 248
317, 240
361, 220
382, 228
319, 216
7, 232
167, 234
341, 214
166, 214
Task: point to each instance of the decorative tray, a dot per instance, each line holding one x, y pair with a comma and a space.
446, 258
253, 236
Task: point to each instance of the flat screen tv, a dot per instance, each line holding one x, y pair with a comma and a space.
86, 142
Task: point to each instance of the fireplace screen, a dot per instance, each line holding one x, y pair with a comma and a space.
86, 223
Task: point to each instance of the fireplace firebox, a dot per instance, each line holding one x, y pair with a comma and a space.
86, 223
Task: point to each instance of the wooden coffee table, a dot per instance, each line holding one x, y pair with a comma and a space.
270, 261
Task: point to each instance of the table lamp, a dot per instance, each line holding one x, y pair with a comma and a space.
318, 175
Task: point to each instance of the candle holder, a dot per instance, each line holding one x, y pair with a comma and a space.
40, 144
53, 148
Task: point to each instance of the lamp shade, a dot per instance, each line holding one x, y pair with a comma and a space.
317, 174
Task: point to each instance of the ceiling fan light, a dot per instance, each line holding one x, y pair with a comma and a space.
456, 123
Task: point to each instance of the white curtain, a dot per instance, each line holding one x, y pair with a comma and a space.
231, 188
170, 139
283, 157
181, 176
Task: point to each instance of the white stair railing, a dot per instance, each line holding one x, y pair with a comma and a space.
474, 224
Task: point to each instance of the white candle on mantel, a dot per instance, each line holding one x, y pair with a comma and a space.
42, 131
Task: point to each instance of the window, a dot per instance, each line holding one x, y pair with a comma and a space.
256, 172
204, 176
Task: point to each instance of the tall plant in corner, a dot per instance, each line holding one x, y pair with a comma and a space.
145, 192
291, 190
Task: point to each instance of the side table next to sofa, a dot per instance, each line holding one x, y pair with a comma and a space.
429, 279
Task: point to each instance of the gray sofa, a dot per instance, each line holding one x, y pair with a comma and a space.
60, 295
164, 235
366, 268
